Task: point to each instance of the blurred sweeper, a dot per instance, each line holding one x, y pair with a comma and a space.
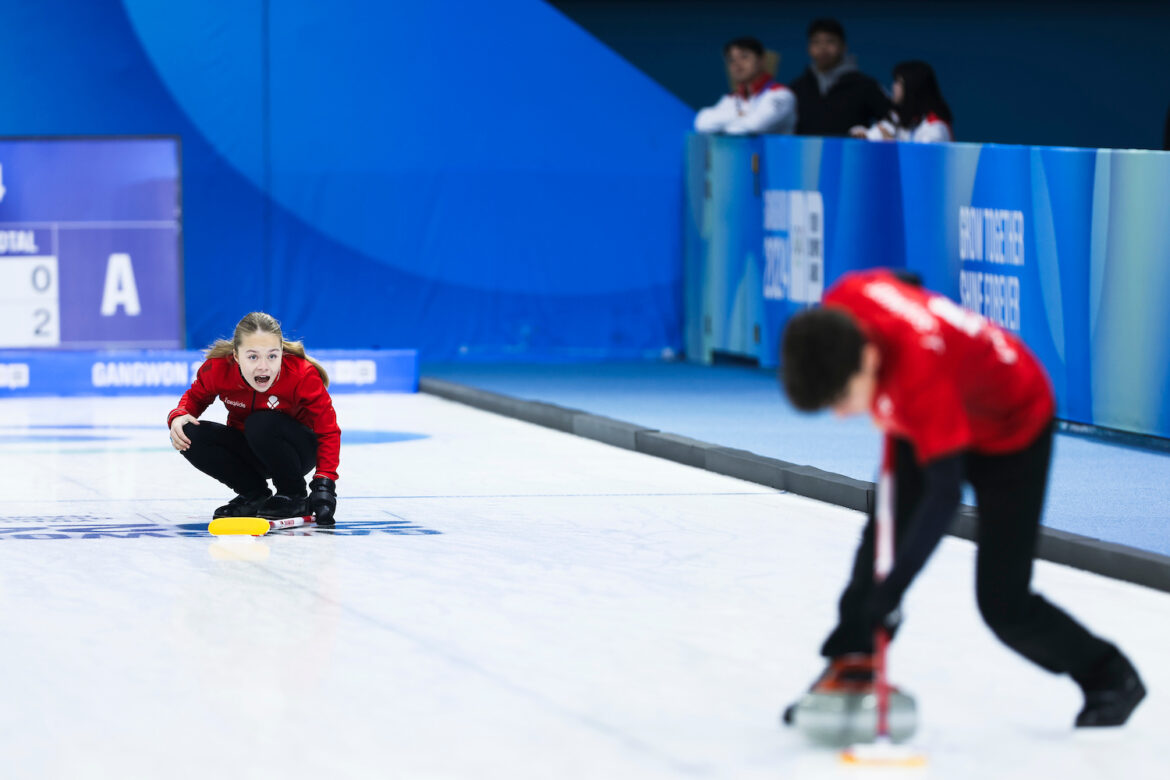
280, 426
959, 400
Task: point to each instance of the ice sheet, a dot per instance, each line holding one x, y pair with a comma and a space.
499, 600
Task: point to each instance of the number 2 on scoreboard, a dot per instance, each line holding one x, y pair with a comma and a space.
43, 317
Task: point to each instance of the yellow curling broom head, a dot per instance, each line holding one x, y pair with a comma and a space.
238, 526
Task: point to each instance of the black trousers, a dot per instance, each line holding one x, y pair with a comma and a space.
272, 446
1009, 493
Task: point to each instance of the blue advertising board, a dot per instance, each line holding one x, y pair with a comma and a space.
90, 243
29, 373
769, 220
1004, 230
1065, 247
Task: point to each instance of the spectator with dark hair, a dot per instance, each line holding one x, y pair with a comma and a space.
832, 95
759, 103
920, 113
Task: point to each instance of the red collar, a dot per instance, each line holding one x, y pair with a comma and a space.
756, 87
933, 117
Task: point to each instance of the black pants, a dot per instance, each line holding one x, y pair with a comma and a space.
1009, 493
272, 446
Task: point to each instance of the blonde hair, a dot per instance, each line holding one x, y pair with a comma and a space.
259, 322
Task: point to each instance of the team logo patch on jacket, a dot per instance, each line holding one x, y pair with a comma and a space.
273, 402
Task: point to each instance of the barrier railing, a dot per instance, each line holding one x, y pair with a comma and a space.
1070, 248
29, 373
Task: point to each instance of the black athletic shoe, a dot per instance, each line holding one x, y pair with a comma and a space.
1112, 692
284, 506
243, 505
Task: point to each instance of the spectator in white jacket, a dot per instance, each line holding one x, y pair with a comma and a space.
920, 114
759, 103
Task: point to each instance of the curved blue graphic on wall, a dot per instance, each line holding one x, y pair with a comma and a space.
401, 149
390, 176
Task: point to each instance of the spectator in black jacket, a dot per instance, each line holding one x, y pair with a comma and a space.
832, 95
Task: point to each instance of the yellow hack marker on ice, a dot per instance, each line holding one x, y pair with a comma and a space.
238, 526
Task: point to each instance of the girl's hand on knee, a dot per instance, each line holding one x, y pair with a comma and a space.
179, 439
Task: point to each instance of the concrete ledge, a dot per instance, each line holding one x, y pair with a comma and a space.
677, 448
749, 466
966, 523
830, 488
480, 399
547, 415
603, 429
1111, 560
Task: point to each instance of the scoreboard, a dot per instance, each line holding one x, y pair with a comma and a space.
90, 233
30, 307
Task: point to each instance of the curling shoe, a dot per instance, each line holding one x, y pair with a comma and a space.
841, 707
846, 674
1112, 690
244, 505
280, 506
853, 673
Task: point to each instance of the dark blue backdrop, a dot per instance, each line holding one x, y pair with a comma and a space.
1074, 73
476, 180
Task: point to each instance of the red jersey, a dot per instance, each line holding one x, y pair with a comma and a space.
298, 391
948, 380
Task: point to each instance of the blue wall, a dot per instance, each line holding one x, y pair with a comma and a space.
476, 180
1022, 72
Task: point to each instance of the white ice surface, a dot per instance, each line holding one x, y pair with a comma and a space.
583, 611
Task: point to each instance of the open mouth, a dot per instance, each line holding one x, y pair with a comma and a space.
261, 379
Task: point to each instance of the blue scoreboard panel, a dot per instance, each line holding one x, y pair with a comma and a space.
90, 236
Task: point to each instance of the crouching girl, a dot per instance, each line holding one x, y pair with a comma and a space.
280, 426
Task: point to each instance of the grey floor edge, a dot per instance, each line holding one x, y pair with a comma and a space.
1081, 552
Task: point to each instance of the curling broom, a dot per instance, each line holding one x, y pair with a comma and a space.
253, 526
882, 751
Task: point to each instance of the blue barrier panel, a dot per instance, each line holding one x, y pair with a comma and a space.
723, 245
1005, 231
1066, 247
1129, 278
27, 373
830, 206
768, 221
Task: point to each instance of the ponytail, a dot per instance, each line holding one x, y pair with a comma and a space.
297, 348
221, 348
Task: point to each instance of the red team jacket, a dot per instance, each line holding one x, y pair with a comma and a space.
298, 391
948, 380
